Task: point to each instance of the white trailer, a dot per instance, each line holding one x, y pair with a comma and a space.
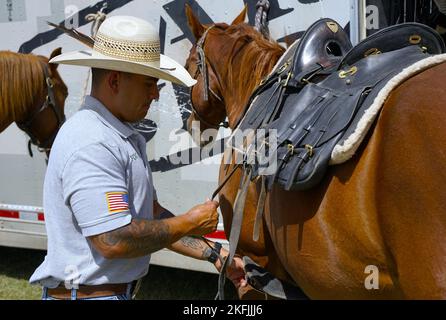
23, 28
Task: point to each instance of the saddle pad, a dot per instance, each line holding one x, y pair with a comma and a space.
346, 148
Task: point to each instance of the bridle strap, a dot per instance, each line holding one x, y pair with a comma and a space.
201, 63
202, 68
50, 101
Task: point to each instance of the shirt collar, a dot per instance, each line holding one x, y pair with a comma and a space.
124, 129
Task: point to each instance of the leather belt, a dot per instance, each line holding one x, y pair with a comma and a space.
85, 292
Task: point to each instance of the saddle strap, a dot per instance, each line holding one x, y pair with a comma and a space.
216, 192
236, 227
260, 208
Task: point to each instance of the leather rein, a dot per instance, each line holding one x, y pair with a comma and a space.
50, 101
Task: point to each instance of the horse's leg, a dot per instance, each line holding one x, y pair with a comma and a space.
262, 251
411, 173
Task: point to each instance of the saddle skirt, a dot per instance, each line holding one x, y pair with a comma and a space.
315, 109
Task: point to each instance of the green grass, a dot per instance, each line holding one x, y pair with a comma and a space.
17, 265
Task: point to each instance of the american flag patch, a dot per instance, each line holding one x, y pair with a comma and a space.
117, 201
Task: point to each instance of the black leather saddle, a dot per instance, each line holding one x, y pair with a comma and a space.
323, 44
394, 38
320, 92
320, 50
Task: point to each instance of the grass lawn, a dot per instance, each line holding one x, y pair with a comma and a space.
17, 265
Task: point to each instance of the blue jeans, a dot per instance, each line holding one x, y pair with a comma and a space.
127, 296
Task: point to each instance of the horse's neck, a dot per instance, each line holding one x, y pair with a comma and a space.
19, 113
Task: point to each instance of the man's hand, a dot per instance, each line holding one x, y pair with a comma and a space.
235, 271
204, 217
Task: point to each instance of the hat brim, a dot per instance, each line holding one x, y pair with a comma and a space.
166, 69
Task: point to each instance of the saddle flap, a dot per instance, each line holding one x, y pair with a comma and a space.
307, 150
394, 38
260, 279
325, 43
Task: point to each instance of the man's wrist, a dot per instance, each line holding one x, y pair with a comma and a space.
212, 254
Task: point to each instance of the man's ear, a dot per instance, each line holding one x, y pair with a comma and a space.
241, 17
194, 24
113, 80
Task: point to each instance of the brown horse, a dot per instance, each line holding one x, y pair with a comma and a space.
32, 94
377, 219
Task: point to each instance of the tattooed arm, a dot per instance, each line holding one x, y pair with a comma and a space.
142, 237
195, 248
189, 246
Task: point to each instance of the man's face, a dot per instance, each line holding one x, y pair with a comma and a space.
136, 93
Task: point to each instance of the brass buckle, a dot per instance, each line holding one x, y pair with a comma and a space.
290, 148
283, 67
285, 82
344, 73
372, 52
310, 150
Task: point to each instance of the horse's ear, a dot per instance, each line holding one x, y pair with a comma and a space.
55, 53
194, 24
241, 17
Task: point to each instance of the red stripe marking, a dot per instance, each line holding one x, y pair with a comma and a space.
219, 234
9, 214
40, 217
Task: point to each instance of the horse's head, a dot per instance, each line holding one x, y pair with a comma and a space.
228, 62
45, 117
208, 64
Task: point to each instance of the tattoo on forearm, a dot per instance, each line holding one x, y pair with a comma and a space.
139, 238
192, 243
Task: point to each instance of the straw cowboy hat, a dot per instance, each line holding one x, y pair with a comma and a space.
127, 44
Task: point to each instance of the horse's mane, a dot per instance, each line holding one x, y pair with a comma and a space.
21, 80
258, 59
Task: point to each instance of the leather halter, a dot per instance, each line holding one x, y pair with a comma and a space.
50, 101
202, 67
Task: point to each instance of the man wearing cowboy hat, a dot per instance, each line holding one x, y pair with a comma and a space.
102, 216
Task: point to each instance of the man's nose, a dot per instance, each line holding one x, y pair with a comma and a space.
155, 93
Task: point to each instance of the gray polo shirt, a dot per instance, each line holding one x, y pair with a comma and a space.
97, 179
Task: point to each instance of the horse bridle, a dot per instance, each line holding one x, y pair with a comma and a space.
202, 68
50, 101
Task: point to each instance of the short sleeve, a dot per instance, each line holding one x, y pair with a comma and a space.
94, 187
